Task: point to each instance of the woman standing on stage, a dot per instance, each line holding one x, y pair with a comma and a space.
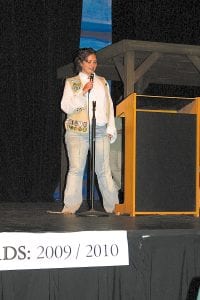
79, 93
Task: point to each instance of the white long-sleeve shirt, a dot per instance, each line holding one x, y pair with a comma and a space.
72, 101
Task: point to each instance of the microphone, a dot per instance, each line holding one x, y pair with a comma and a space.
91, 77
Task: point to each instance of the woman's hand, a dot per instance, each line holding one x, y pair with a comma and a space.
87, 87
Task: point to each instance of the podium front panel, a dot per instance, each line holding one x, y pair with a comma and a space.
165, 162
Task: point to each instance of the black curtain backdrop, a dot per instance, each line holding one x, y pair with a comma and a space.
157, 21
37, 37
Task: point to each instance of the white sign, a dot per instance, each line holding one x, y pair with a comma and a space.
19, 250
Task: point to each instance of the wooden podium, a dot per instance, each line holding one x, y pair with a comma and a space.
161, 155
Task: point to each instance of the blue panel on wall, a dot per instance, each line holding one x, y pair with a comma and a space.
96, 26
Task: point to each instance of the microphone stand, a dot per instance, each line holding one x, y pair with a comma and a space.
92, 212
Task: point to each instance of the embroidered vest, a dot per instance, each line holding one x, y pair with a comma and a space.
78, 120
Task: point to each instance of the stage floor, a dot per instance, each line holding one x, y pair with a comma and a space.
34, 217
164, 257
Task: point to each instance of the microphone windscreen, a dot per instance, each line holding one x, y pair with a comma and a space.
91, 77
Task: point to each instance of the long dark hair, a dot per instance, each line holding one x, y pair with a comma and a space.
80, 56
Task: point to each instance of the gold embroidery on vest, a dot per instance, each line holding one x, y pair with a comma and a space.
76, 84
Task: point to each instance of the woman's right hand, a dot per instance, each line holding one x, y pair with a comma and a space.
87, 87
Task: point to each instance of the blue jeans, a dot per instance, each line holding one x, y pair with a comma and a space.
77, 147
